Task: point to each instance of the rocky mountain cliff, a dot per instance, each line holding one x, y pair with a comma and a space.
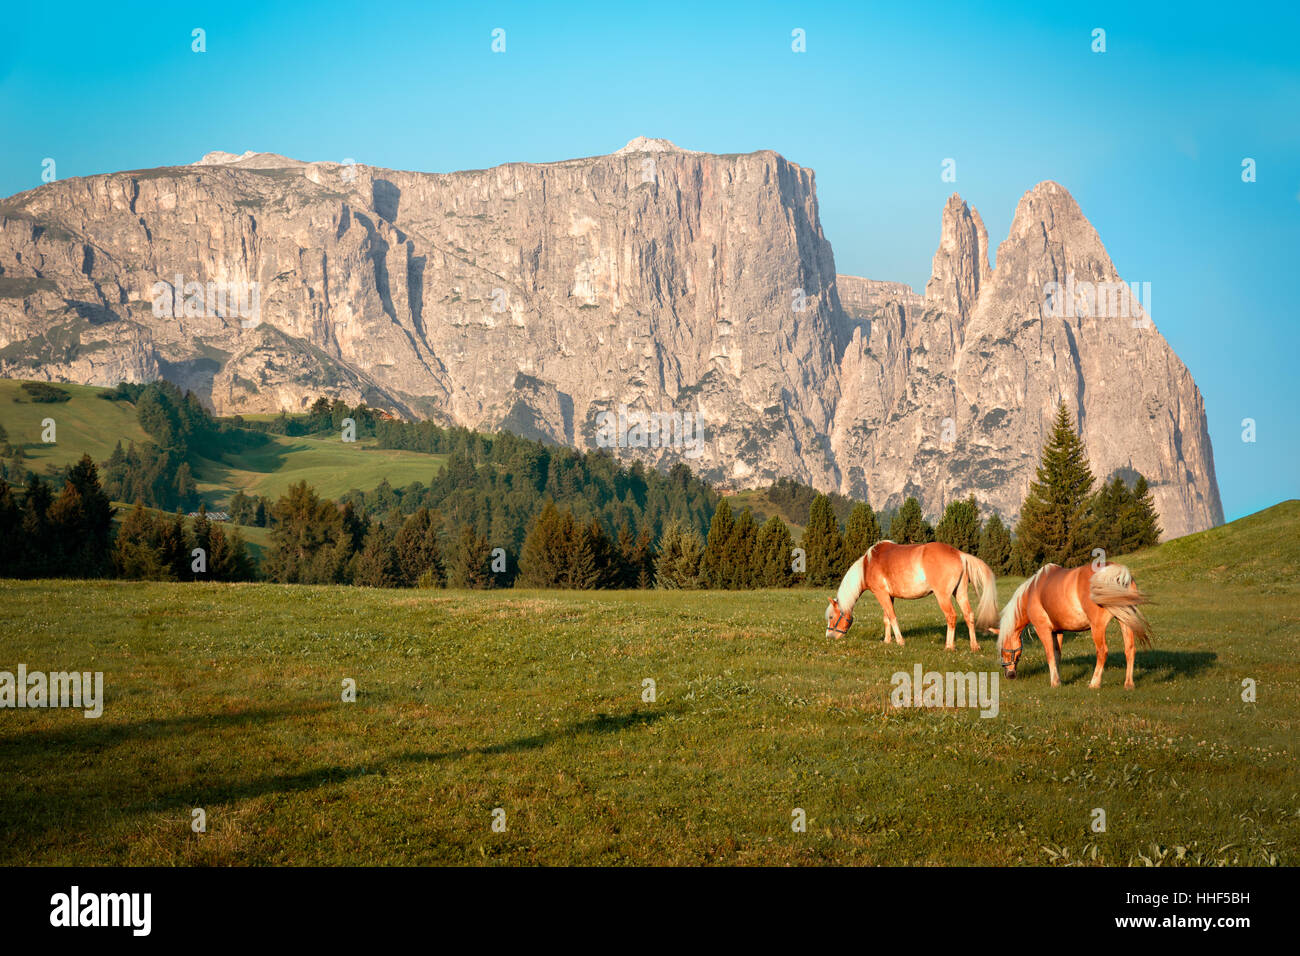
536, 297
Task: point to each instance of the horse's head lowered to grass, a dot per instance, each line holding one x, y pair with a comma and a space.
838, 620
1009, 649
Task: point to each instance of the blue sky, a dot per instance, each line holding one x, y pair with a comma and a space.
1149, 136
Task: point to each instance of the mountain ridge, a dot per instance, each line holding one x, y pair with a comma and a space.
655, 277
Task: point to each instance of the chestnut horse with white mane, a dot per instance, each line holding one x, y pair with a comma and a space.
890, 570
1056, 600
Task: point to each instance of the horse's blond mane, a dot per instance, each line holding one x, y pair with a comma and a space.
852, 586
1014, 606
854, 582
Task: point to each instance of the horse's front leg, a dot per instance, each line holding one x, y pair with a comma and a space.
886, 602
1043, 628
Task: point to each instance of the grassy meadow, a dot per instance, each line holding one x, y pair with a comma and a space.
85, 424
228, 698
89, 424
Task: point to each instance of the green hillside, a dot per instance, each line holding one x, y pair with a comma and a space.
88, 423
1259, 551
85, 423
757, 501
331, 466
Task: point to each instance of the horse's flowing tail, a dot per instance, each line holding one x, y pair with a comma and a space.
986, 617
1114, 589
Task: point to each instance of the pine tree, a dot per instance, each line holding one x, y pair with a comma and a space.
593, 558
202, 532
1146, 530
417, 550
772, 548
1124, 519
174, 548
333, 562
822, 544
308, 540
135, 552
38, 559
377, 564
909, 525
355, 525
10, 531
544, 558
635, 567
1055, 520
681, 553
715, 566
67, 520
229, 560
240, 508
960, 525
186, 488
470, 565
861, 531
1111, 502
995, 545
740, 553
81, 522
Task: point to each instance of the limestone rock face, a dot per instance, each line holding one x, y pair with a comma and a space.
536, 297
954, 393
961, 264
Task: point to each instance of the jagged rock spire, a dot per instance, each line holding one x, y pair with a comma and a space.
961, 263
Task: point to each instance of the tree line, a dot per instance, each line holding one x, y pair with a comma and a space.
506, 511
71, 535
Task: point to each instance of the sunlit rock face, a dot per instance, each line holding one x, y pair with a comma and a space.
535, 297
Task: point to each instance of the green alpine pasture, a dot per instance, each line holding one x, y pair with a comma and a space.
84, 424
228, 698
87, 423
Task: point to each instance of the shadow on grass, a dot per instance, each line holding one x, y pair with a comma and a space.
600, 724
1148, 666
925, 634
35, 813
98, 734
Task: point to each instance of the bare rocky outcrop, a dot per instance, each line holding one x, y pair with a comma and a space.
954, 393
537, 296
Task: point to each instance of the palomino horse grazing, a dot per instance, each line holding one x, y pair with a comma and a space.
1056, 600
891, 570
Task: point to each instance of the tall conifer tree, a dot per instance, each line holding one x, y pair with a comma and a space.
960, 525
909, 525
823, 545
1055, 521
715, 565
861, 531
